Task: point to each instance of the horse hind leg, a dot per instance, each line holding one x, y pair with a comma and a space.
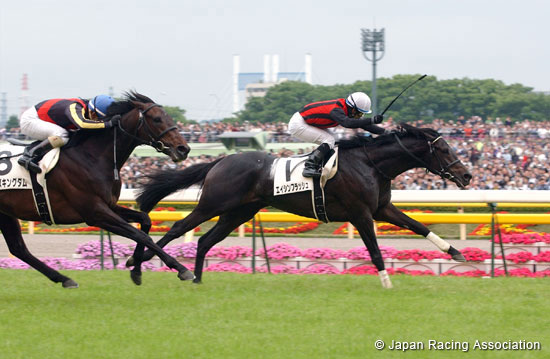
144, 220
12, 234
365, 228
179, 228
226, 224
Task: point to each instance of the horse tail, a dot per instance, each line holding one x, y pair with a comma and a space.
165, 182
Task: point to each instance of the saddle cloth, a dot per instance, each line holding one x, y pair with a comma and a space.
14, 176
287, 174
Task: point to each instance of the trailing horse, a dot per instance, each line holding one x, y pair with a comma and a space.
85, 185
236, 187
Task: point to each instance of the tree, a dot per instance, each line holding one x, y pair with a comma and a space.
427, 100
177, 113
13, 122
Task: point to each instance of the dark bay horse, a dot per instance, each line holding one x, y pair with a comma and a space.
83, 188
236, 187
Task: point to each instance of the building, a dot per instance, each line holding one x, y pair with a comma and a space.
256, 84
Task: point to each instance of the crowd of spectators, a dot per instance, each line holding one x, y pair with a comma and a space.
500, 153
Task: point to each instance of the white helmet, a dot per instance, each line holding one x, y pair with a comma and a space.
359, 101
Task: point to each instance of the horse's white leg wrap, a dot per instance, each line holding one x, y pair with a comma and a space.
385, 279
440, 243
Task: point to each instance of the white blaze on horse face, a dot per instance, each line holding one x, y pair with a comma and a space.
440, 243
385, 279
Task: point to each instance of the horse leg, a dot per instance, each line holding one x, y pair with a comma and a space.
132, 216
104, 217
391, 214
179, 228
226, 224
12, 233
365, 227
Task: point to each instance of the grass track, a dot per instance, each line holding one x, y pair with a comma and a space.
264, 316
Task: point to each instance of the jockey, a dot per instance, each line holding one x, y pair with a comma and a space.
50, 121
311, 124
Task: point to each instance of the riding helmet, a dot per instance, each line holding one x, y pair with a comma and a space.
99, 104
359, 101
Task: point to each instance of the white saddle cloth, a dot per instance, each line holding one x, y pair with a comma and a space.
287, 174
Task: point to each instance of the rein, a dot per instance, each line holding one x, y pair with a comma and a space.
443, 172
375, 166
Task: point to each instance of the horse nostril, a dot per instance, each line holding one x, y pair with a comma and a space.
183, 149
467, 176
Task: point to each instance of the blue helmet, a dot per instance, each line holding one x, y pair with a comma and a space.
99, 105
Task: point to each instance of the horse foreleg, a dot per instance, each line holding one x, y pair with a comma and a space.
365, 227
132, 216
104, 217
391, 214
12, 233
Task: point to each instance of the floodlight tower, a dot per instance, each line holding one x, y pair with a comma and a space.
24, 98
372, 43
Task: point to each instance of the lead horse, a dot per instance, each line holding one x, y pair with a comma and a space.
238, 186
85, 186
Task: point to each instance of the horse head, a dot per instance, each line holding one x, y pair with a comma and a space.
437, 157
150, 124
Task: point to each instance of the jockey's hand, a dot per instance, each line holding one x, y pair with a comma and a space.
113, 122
378, 119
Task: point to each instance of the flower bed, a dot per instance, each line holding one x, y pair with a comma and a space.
286, 258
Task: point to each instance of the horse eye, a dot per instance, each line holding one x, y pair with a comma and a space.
157, 120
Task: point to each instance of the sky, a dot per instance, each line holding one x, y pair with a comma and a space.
180, 53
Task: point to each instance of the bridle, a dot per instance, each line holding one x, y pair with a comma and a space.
154, 140
443, 170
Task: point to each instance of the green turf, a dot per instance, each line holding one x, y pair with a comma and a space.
264, 316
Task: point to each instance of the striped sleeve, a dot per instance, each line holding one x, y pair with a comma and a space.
76, 115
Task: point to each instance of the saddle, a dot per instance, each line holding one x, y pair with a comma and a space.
287, 179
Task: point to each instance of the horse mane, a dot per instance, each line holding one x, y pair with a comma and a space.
116, 108
404, 130
126, 105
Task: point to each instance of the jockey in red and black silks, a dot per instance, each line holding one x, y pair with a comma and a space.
67, 113
50, 121
320, 114
313, 121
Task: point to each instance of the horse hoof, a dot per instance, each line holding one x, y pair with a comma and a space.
197, 281
70, 284
136, 278
186, 275
130, 262
456, 255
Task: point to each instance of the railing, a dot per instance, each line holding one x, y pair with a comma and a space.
452, 198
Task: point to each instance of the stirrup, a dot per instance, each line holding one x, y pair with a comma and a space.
28, 164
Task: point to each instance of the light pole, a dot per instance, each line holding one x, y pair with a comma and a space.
372, 41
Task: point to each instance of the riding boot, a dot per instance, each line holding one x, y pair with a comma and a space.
312, 166
33, 154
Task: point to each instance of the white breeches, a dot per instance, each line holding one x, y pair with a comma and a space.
302, 131
32, 126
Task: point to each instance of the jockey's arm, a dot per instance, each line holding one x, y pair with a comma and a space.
374, 129
75, 112
339, 116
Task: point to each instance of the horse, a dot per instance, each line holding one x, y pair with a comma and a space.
236, 187
85, 184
